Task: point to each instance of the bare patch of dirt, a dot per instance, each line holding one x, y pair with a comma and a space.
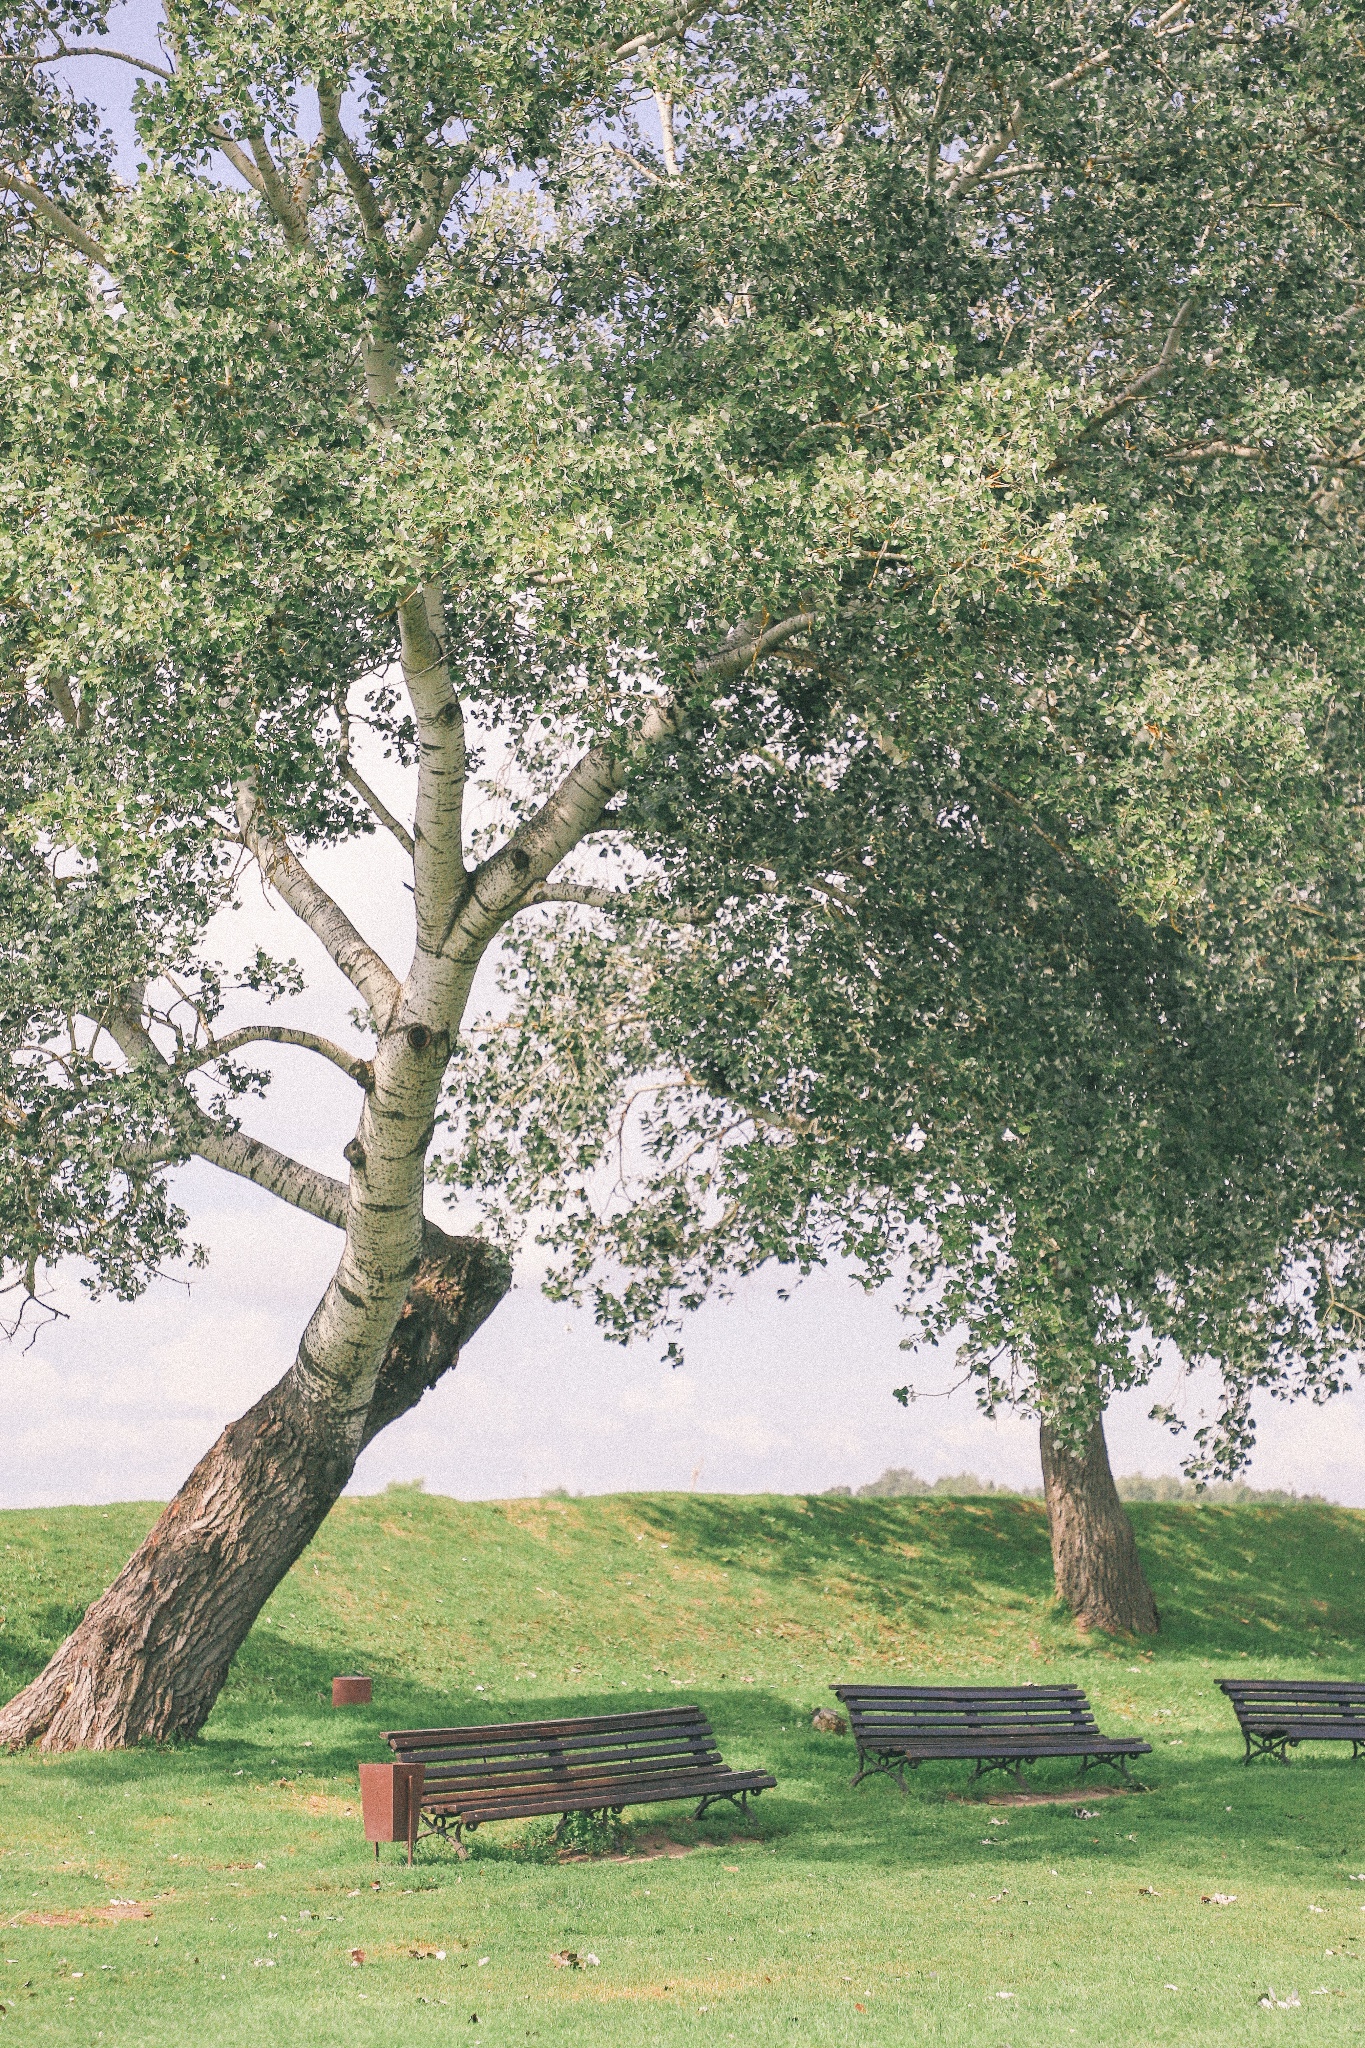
1073, 1798
84, 1916
651, 1846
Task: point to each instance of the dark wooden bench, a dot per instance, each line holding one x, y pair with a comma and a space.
1276, 1714
999, 1727
511, 1770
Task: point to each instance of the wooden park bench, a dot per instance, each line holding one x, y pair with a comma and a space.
999, 1727
1276, 1714
511, 1770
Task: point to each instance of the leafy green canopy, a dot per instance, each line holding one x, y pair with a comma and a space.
951, 419
1021, 951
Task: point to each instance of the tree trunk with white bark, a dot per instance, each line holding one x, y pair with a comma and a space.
150, 1656
1094, 1551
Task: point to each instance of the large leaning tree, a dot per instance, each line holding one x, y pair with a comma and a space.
533, 376
1026, 966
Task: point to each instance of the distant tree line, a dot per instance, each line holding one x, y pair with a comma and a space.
898, 1484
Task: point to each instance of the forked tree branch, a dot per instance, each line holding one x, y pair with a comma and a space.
240, 160
989, 153
56, 217
576, 892
351, 1064
745, 648
976, 172
502, 883
65, 50
421, 236
635, 163
302, 1187
356, 958
1149, 376
679, 23
277, 193
499, 886
357, 184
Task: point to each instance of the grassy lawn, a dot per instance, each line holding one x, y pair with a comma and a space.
836, 1916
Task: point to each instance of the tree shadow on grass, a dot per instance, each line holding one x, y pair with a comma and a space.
1283, 1582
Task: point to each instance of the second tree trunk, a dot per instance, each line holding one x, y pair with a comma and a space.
1094, 1551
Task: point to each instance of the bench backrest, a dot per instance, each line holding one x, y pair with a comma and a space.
966, 1712
529, 1757
1296, 1699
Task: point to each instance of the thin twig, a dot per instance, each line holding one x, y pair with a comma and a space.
379, 807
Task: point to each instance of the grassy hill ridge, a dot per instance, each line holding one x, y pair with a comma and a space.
629, 1590
839, 1916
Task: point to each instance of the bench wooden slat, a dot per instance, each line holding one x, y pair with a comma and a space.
500, 1781
996, 1726
511, 1770
514, 1752
1276, 1714
1117, 1745
977, 1721
474, 1733
1298, 1688
625, 1793
961, 1692
498, 1795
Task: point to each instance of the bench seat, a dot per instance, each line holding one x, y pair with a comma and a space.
516, 1770
1277, 1714
899, 1727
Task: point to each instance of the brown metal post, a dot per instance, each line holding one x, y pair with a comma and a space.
414, 1773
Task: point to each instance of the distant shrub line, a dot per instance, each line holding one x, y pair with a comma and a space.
898, 1484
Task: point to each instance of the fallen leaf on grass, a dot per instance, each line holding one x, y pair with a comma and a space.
263, 1963
570, 1959
1278, 2004
1084, 1813
1148, 1891
356, 1956
1218, 1899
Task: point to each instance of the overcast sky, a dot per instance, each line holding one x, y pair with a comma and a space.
117, 1401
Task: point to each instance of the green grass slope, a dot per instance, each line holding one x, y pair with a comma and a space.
836, 1916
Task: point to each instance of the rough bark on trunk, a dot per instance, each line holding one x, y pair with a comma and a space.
150, 1656
1094, 1551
